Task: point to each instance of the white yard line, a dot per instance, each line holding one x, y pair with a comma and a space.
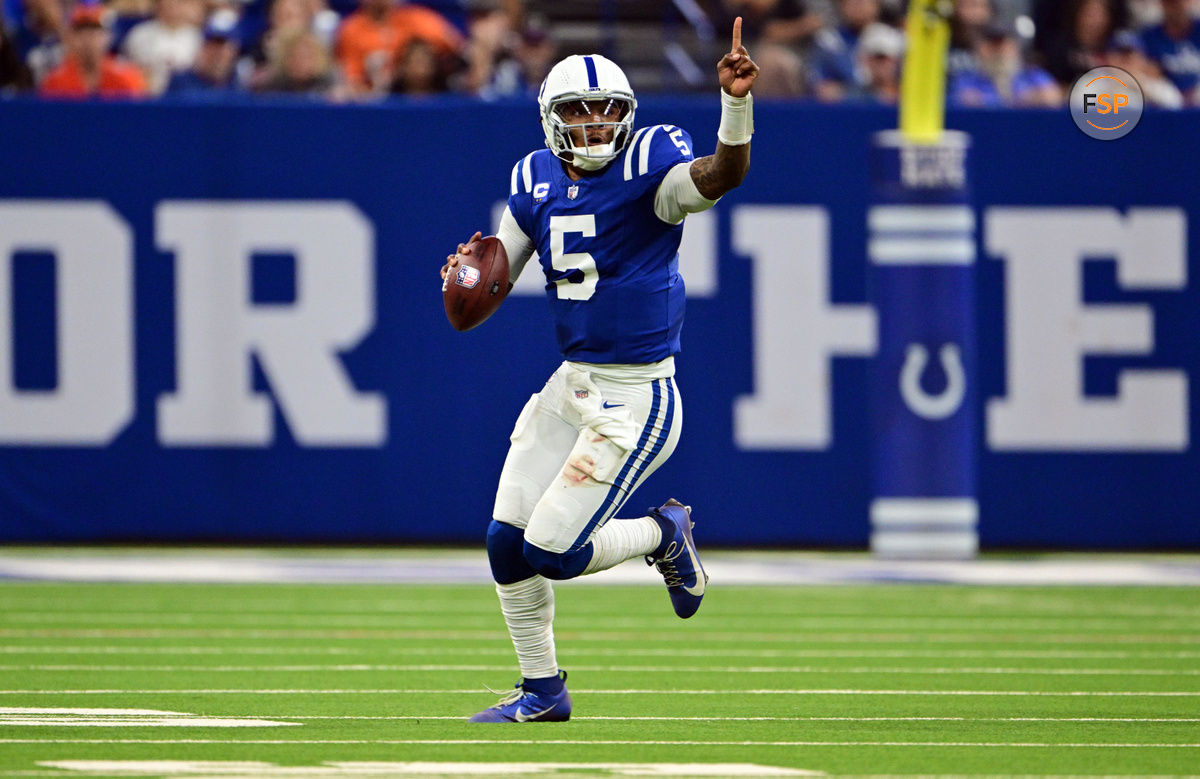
611, 742
210, 650
1012, 606
796, 623
91, 711
658, 692
740, 638
732, 669
505, 651
490, 771
332, 769
651, 718
140, 722
31, 716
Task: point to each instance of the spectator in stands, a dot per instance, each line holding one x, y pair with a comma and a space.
527, 59
1143, 13
39, 35
377, 33
1053, 21
14, 75
834, 66
1002, 77
879, 53
325, 23
967, 24
127, 14
88, 69
784, 22
490, 35
488, 28
419, 71
1126, 52
214, 71
1083, 43
780, 32
302, 64
284, 18
140, 9
1174, 46
167, 43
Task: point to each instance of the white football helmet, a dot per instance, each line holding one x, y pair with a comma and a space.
586, 86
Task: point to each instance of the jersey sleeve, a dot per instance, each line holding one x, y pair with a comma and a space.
520, 196
651, 152
517, 244
678, 196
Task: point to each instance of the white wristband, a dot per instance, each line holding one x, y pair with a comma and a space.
737, 119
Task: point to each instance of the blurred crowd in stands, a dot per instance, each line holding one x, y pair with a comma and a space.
1018, 53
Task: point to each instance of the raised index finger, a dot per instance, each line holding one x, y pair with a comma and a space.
737, 35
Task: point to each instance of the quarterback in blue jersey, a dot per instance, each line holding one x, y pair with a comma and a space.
603, 205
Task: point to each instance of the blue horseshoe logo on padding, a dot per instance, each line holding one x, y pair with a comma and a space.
921, 402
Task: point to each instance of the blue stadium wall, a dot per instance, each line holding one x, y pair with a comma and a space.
223, 322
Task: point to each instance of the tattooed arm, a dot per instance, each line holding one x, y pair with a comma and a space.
718, 173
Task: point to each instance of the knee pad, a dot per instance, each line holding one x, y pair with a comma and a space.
554, 565
506, 554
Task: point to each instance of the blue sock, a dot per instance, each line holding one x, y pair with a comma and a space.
550, 685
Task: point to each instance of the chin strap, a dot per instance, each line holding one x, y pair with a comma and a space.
588, 163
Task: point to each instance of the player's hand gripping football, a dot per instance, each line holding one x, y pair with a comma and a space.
462, 251
736, 70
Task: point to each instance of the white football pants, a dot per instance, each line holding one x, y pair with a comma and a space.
579, 448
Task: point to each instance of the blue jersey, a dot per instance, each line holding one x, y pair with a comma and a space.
611, 264
1179, 59
974, 88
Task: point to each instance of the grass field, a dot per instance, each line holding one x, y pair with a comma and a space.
844, 680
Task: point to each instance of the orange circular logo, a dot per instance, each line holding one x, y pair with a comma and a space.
1106, 103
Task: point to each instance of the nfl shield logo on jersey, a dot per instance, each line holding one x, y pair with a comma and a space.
572, 192
467, 277
581, 394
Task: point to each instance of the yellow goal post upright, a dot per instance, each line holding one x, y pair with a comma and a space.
922, 381
923, 78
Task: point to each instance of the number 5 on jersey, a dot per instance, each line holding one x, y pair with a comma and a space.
577, 274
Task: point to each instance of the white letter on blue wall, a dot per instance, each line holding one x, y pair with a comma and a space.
1050, 329
219, 327
797, 331
92, 248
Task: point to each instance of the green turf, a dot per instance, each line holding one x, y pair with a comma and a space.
842, 680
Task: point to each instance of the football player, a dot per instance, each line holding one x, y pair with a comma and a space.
604, 207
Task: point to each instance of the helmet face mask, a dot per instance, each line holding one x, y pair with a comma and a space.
587, 109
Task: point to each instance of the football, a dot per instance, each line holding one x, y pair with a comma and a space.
478, 286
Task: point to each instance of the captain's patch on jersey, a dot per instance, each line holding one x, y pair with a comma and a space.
467, 277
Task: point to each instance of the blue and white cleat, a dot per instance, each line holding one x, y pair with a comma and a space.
679, 564
526, 705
